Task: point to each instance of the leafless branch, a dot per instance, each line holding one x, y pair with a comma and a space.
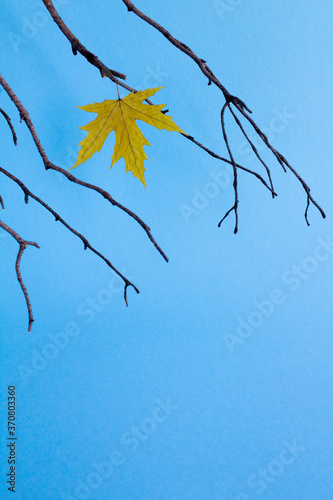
27, 193
78, 47
2, 203
230, 99
8, 120
180, 45
240, 167
284, 163
23, 245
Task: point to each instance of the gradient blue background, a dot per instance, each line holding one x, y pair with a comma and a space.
233, 409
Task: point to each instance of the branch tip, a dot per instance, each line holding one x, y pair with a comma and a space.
10, 125
23, 244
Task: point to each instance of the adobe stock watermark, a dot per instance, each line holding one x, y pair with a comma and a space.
280, 120
3, 238
259, 481
224, 7
292, 279
154, 77
31, 26
85, 312
219, 180
70, 159
129, 442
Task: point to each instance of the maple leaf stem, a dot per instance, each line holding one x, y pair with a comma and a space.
118, 90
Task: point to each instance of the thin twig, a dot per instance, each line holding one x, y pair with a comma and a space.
254, 149
234, 167
2, 203
284, 163
23, 245
214, 155
8, 120
57, 217
49, 165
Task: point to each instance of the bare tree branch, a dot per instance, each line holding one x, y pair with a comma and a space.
180, 45
230, 99
284, 163
23, 245
84, 240
91, 58
214, 155
78, 47
8, 120
49, 165
2, 203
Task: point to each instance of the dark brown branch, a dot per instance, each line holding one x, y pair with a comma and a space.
8, 120
263, 137
2, 203
49, 165
57, 217
234, 167
180, 45
214, 155
238, 103
23, 245
284, 163
78, 47
254, 149
91, 58
306, 211
306, 189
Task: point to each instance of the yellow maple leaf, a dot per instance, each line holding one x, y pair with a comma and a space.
119, 116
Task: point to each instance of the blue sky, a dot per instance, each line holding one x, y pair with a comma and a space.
216, 382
